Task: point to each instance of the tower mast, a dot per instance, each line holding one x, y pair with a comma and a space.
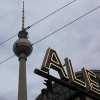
22, 49
23, 16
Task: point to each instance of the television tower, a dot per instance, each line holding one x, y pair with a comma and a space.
22, 49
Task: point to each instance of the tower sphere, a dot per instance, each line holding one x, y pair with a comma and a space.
22, 46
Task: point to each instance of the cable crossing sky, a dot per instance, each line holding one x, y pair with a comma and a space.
59, 29
37, 22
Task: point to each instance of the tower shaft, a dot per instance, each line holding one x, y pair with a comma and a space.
22, 85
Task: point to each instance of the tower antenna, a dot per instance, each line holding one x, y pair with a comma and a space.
23, 16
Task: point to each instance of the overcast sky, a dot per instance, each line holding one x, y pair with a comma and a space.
79, 41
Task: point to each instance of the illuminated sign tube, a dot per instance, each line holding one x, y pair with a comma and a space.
71, 73
91, 84
52, 61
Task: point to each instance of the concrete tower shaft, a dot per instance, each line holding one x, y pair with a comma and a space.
22, 85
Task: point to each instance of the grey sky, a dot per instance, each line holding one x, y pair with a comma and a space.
79, 41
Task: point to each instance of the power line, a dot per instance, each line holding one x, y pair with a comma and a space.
10, 57
89, 12
8, 39
66, 25
37, 22
52, 13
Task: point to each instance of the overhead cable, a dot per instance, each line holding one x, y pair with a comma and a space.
10, 57
52, 13
66, 25
37, 22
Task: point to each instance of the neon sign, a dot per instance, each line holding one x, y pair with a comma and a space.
88, 82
